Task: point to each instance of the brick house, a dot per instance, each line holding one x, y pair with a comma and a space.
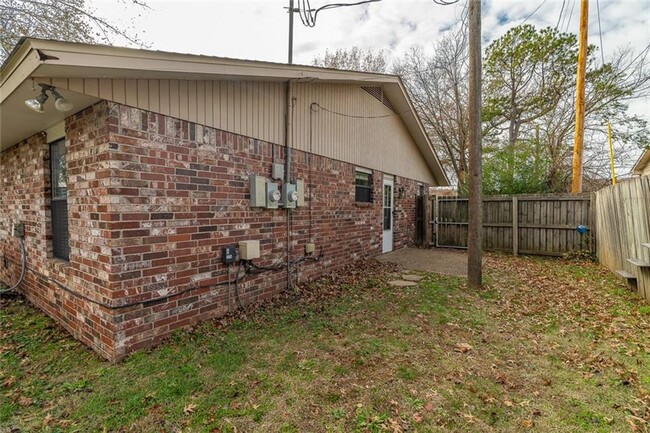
127, 199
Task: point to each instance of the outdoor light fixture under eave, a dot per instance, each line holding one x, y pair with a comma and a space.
36, 104
60, 103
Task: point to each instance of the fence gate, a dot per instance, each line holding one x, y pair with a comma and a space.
451, 219
528, 224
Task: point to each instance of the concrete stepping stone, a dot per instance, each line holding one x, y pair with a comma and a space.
402, 283
415, 278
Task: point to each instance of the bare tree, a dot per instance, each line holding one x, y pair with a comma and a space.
528, 111
438, 85
68, 20
610, 88
354, 59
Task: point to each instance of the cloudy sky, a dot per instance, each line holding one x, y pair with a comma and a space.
258, 29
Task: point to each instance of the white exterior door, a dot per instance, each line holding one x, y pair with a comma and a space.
388, 214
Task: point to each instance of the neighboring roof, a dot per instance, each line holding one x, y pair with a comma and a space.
642, 163
34, 58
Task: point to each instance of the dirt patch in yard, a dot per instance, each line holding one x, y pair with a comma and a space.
439, 260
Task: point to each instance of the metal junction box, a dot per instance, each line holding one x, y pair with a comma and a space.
300, 189
249, 250
18, 229
277, 171
258, 191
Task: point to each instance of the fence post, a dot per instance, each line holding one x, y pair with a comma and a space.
428, 238
434, 215
515, 225
592, 223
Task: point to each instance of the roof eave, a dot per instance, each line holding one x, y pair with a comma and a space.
80, 54
18, 67
34, 58
641, 163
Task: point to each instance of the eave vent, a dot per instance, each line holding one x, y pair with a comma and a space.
378, 94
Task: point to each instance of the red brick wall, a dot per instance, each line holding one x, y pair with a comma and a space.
154, 199
57, 287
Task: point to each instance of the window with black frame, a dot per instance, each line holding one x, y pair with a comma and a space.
59, 207
363, 186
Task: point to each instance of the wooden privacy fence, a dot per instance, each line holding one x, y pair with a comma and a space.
623, 230
527, 224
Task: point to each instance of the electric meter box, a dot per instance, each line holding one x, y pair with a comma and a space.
300, 189
273, 195
249, 250
289, 195
258, 191
228, 254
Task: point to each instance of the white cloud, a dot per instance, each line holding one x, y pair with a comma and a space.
259, 29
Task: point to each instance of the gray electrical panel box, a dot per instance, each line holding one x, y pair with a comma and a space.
258, 191
277, 171
300, 189
273, 195
18, 229
289, 195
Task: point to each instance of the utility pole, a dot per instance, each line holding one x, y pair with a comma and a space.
475, 202
611, 152
579, 134
291, 32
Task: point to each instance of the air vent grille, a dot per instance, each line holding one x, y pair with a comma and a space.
378, 93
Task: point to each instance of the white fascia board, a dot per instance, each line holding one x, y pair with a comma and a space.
129, 60
15, 74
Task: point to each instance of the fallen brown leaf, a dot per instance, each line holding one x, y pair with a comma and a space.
463, 347
25, 401
189, 409
527, 423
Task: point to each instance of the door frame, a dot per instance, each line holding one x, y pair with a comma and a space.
387, 235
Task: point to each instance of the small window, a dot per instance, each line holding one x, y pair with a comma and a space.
363, 186
59, 182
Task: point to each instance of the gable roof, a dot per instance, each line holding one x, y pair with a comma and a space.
642, 164
37, 58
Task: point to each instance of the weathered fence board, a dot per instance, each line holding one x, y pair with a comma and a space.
528, 224
623, 226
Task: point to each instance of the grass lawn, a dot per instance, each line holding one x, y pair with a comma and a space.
549, 345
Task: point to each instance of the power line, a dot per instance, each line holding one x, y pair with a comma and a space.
560, 17
464, 14
528, 17
352, 116
308, 15
600, 34
568, 21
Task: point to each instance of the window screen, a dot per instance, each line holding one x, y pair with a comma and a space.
59, 207
363, 186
